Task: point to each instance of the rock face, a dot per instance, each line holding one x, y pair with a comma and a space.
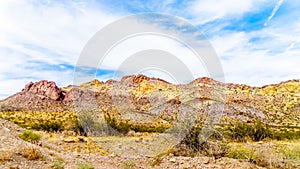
44, 88
140, 100
40, 96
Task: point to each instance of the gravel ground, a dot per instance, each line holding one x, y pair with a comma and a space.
55, 154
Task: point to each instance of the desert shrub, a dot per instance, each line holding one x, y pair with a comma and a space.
281, 135
257, 131
51, 121
191, 141
291, 151
58, 165
241, 152
78, 128
5, 156
31, 153
215, 145
241, 131
264, 155
214, 148
147, 128
124, 126
128, 164
156, 161
30, 136
48, 126
88, 126
85, 166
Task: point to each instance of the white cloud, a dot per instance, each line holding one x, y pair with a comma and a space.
207, 10
227, 41
149, 42
54, 33
272, 58
48, 33
254, 57
62, 29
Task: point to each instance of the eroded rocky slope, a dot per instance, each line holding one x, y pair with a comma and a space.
139, 101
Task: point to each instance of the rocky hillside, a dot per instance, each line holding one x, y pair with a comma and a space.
142, 103
152, 124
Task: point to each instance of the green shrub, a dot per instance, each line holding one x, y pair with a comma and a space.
291, 151
128, 164
88, 126
78, 128
281, 135
241, 152
85, 166
58, 165
192, 140
124, 126
48, 126
30, 136
214, 146
241, 131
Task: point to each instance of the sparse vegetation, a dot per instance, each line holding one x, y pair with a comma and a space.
240, 151
128, 164
78, 128
30, 153
85, 166
86, 125
214, 146
242, 131
156, 161
269, 142
5, 156
48, 121
48, 126
257, 131
291, 150
125, 126
58, 165
30, 136
271, 155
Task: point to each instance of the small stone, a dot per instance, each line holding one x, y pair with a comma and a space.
173, 160
206, 161
6, 129
81, 139
69, 140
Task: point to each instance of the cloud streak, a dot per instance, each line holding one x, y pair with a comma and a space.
275, 9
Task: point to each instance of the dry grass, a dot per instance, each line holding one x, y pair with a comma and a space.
5, 156
291, 150
85, 166
30, 153
273, 154
39, 120
129, 164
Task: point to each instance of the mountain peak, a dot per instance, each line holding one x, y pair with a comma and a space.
43, 88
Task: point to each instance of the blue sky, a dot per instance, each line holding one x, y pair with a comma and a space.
257, 41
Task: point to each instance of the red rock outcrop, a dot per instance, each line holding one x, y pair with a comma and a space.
44, 88
146, 98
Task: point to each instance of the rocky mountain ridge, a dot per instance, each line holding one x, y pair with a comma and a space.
139, 100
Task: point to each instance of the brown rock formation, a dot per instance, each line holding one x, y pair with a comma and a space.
141, 100
44, 88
